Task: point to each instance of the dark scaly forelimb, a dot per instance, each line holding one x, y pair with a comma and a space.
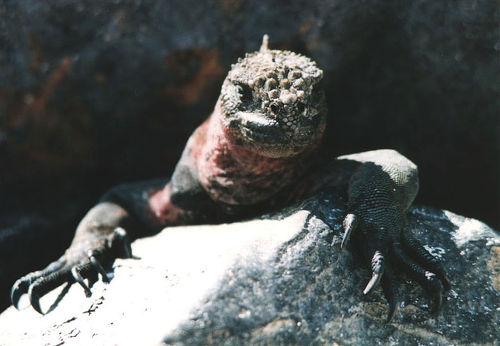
102, 236
380, 191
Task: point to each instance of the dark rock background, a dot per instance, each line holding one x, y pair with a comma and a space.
97, 93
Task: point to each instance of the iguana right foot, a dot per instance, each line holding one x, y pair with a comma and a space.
82, 260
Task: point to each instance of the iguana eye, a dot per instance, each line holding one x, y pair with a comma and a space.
245, 92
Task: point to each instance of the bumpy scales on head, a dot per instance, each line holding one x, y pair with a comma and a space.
271, 100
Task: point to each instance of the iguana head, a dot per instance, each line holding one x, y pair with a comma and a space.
272, 104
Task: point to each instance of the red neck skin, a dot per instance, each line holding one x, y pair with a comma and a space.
234, 174
230, 172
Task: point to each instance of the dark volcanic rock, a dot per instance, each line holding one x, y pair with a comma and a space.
278, 280
93, 93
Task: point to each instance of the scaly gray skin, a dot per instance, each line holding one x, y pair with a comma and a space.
256, 153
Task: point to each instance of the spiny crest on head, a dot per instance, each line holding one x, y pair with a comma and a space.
265, 61
278, 82
264, 47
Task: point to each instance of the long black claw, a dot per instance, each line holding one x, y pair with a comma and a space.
436, 292
392, 311
372, 283
22, 285
393, 304
19, 288
446, 283
428, 280
436, 304
98, 267
122, 236
390, 294
350, 223
425, 258
78, 278
377, 271
35, 299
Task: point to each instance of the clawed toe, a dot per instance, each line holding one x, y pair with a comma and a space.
45, 284
377, 271
75, 272
404, 253
19, 288
122, 243
76, 265
98, 267
436, 291
34, 298
424, 258
39, 283
350, 223
427, 279
389, 293
22, 285
382, 273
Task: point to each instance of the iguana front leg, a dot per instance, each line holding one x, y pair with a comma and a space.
101, 237
380, 191
98, 239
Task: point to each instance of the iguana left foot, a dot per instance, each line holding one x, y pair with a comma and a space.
386, 246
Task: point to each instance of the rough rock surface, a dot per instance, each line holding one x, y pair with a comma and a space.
280, 279
97, 92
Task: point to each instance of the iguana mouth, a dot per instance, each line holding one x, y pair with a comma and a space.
256, 127
265, 132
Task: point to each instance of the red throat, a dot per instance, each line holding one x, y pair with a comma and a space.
235, 174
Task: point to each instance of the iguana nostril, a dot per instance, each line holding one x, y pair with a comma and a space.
275, 108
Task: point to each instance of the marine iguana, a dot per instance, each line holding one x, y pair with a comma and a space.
258, 151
